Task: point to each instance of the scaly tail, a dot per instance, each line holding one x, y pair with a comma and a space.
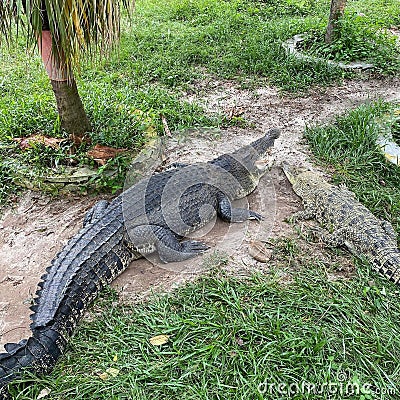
38, 355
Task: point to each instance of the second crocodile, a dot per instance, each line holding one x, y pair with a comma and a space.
347, 221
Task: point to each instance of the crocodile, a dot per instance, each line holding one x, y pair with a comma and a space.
154, 215
347, 222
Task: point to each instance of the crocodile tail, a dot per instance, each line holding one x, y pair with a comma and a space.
38, 355
391, 266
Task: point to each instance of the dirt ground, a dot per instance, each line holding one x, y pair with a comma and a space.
37, 226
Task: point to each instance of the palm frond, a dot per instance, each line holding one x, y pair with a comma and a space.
78, 27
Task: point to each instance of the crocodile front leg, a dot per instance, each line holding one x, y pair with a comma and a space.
337, 238
307, 213
229, 214
149, 238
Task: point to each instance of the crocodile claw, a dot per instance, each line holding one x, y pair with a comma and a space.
194, 246
256, 216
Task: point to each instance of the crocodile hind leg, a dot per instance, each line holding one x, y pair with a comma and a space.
95, 212
230, 214
149, 238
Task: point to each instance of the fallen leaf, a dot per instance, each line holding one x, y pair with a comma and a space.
259, 251
109, 373
43, 393
159, 340
234, 112
115, 358
28, 142
101, 154
112, 371
103, 376
79, 139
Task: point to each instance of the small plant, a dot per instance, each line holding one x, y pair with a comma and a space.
111, 176
357, 41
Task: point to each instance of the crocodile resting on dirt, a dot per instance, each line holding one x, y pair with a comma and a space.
153, 215
349, 223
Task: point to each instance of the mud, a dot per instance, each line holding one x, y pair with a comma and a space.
38, 226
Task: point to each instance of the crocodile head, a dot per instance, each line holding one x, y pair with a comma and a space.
294, 174
303, 179
249, 163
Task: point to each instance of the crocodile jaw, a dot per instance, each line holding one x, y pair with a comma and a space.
292, 172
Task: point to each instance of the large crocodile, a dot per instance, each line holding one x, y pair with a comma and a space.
153, 215
348, 223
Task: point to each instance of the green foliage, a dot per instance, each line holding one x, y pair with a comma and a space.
239, 39
122, 115
358, 41
168, 47
77, 27
6, 184
395, 128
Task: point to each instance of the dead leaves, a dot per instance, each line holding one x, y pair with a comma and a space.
234, 112
29, 142
110, 372
43, 393
260, 251
101, 154
167, 131
113, 372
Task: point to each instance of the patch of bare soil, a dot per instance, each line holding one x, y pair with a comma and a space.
37, 227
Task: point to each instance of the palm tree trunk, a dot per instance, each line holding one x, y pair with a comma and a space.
70, 109
72, 115
336, 12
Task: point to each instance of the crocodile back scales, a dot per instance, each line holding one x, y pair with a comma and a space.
337, 209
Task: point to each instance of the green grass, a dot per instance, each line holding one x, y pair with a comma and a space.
349, 145
241, 39
121, 114
229, 338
